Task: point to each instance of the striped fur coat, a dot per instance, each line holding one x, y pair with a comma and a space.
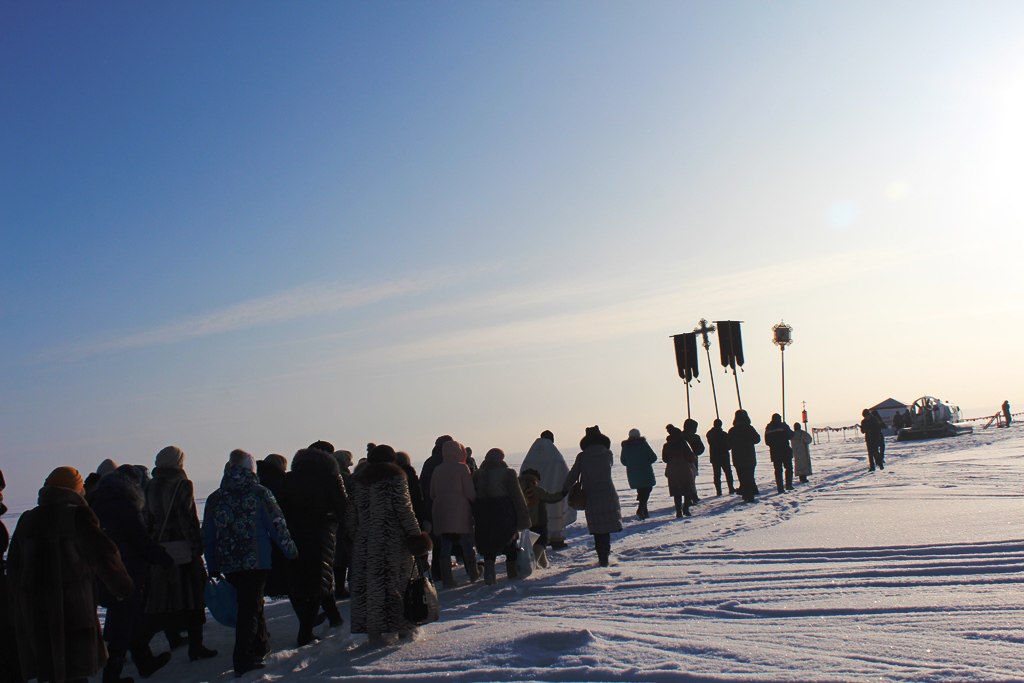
383, 527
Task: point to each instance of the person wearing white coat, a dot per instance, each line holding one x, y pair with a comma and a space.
801, 442
545, 457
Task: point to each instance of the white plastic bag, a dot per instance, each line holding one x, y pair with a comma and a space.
525, 561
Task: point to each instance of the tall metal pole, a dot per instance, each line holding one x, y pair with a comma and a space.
704, 330
737, 378
687, 400
783, 350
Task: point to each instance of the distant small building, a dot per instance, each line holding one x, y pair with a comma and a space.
889, 407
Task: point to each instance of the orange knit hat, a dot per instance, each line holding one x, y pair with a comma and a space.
66, 478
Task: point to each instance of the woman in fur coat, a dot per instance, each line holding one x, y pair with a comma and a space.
801, 443
639, 458
176, 597
52, 578
680, 470
452, 494
593, 469
386, 540
500, 511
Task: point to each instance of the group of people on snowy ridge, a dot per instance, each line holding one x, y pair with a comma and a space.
325, 529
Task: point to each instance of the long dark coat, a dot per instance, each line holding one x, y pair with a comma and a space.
57, 552
313, 499
593, 466
680, 463
11, 671
380, 520
272, 478
500, 508
179, 587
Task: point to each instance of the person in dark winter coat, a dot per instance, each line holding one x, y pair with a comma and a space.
498, 513
680, 469
1007, 415
120, 503
593, 470
57, 553
313, 501
697, 447
536, 503
871, 427
93, 479
778, 437
343, 553
742, 441
240, 522
426, 476
271, 471
386, 542
11, 671
419, 506
639, 458
718, 447
176, 597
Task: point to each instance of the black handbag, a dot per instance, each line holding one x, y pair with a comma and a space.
421, 604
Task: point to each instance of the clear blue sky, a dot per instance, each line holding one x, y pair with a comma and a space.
259, 224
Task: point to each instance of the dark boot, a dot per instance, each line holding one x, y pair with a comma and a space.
196, 649
330, 607
146, 662
679, 507
603, 546
112, 671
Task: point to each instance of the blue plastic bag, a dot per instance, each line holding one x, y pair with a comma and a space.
222, 601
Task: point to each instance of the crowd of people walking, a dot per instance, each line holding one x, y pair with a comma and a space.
325, 528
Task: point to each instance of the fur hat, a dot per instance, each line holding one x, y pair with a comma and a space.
594, 436
634, 433
325, 446
495, 454
66, 478
171, 458
381, 453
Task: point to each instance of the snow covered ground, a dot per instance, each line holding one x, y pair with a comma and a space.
910, 574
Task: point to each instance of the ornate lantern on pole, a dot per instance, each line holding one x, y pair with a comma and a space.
782, 336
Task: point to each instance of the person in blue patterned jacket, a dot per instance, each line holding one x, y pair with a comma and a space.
240, 522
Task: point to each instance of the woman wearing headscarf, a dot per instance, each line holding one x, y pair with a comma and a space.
57, 553
499, 512
452, 494
386, 541
593, 470
176, 597
639, 458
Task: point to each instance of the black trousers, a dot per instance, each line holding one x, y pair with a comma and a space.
251, 636
719, 469
780, 465
876, 453
643, 495
747, 486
